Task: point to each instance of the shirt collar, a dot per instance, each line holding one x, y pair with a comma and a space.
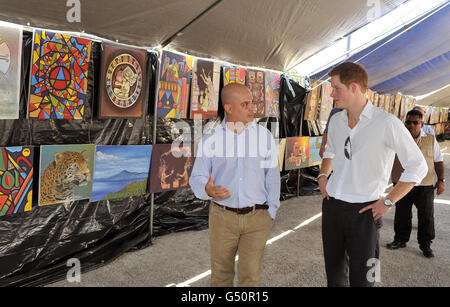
224, 124
366, 112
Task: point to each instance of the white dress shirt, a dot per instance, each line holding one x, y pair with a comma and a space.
374, 141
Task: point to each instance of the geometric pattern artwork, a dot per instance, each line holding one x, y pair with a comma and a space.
16, 179
313, 101
58, 79
297, 151
205, 89
256, 84
326, 102
65, 173
10, 68
121, 171
122, 82
233, 74
174, 85
171, 167
272, 94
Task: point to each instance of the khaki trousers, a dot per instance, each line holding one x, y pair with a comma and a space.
245, 234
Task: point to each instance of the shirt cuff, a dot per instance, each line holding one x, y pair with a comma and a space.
273, 211
410, 178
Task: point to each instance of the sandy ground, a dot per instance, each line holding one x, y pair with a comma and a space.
294, 257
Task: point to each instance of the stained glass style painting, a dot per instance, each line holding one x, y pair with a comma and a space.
10, 67
170, 167
174, 85
58, 79
272, 94
65, 173
297, 151
233, 74
256, 84
16, 179
121, 171
122, 82
205, 89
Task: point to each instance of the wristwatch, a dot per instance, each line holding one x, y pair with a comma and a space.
388, 202
441, 179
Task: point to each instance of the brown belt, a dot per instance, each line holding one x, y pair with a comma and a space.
244, 210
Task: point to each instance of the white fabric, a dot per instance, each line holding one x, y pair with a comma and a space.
375, 140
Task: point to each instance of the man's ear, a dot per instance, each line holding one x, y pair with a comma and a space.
227, 108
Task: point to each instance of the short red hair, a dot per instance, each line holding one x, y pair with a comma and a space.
349, 72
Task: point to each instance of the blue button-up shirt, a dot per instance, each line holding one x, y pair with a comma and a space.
245, 163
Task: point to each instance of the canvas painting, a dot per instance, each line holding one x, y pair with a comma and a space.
381, 100
205, 89
272, 94
232, 74
281, 149
58, 78
10, 68
171, 167
387, 103
375, 99
121, 171
313, 157
174, 85
122, 82
256, 84
435, 114
326, 102
16, 179
297, 151
65, 173
313, 101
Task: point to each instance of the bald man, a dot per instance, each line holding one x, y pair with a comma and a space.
236, 168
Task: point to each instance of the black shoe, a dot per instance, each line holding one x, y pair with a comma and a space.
396, 245
427, 252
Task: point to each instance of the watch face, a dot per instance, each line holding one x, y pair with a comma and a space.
388, 202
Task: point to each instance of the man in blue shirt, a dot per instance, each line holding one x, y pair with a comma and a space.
237, 169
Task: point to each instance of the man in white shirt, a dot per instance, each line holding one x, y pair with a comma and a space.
362, 143
422, 195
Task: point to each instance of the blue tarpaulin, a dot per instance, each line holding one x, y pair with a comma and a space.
412, 62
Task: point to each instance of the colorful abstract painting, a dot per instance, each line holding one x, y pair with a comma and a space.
233, 74
10, 68
272, 94
174, 85
65, 173
256, 84
205, 89
16, 179
313, 101
171, 167
122, 82
58, 79
387, 103
297, 151
326, 102
435, 115
313, 158
121, 171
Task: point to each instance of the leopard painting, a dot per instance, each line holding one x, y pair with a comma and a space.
58, 181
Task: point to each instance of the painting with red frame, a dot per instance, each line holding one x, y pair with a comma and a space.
58, 79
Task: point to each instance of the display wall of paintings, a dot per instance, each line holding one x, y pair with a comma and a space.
255, 81
171, 167
58, 78
205, 89
16, 179
121, 171
272, 94
312, 101
174, 85
233, 74
122, 82
65, 173
10, 68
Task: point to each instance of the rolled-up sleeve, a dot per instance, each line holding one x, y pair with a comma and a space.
330, 149
409, 154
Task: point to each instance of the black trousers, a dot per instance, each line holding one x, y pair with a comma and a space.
350, 243
423, 198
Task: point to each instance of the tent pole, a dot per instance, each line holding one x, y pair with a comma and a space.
152, 195
180, 32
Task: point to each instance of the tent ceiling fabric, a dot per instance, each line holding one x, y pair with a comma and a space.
438, 99
415, 63
264, 33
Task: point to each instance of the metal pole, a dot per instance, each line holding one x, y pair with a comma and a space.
155, 117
